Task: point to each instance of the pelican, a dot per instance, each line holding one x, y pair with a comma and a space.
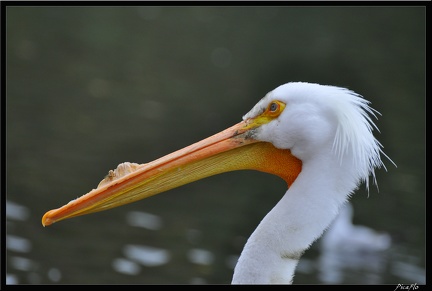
318, 138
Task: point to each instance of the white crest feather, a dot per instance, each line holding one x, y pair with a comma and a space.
354, 133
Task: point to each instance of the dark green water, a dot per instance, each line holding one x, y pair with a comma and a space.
91, 87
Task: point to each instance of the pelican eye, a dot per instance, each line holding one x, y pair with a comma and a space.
275, 108
272, 111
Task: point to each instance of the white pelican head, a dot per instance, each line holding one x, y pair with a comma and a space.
317, 138
314, 117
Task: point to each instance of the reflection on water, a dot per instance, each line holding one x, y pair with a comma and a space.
125, 266
333, 266
54, 274
19, 250
346, 248
354, 248
16, 212
18, 244
345, 237
147, 256
347, 253
200, 257
22, 264
141, 255
144, 220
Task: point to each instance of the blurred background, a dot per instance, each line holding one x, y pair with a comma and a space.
91, 87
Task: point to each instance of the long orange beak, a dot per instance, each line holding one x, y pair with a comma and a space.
229, 150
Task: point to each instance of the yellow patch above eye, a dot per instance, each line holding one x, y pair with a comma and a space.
273, 110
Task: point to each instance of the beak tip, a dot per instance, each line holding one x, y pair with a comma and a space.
46, 220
